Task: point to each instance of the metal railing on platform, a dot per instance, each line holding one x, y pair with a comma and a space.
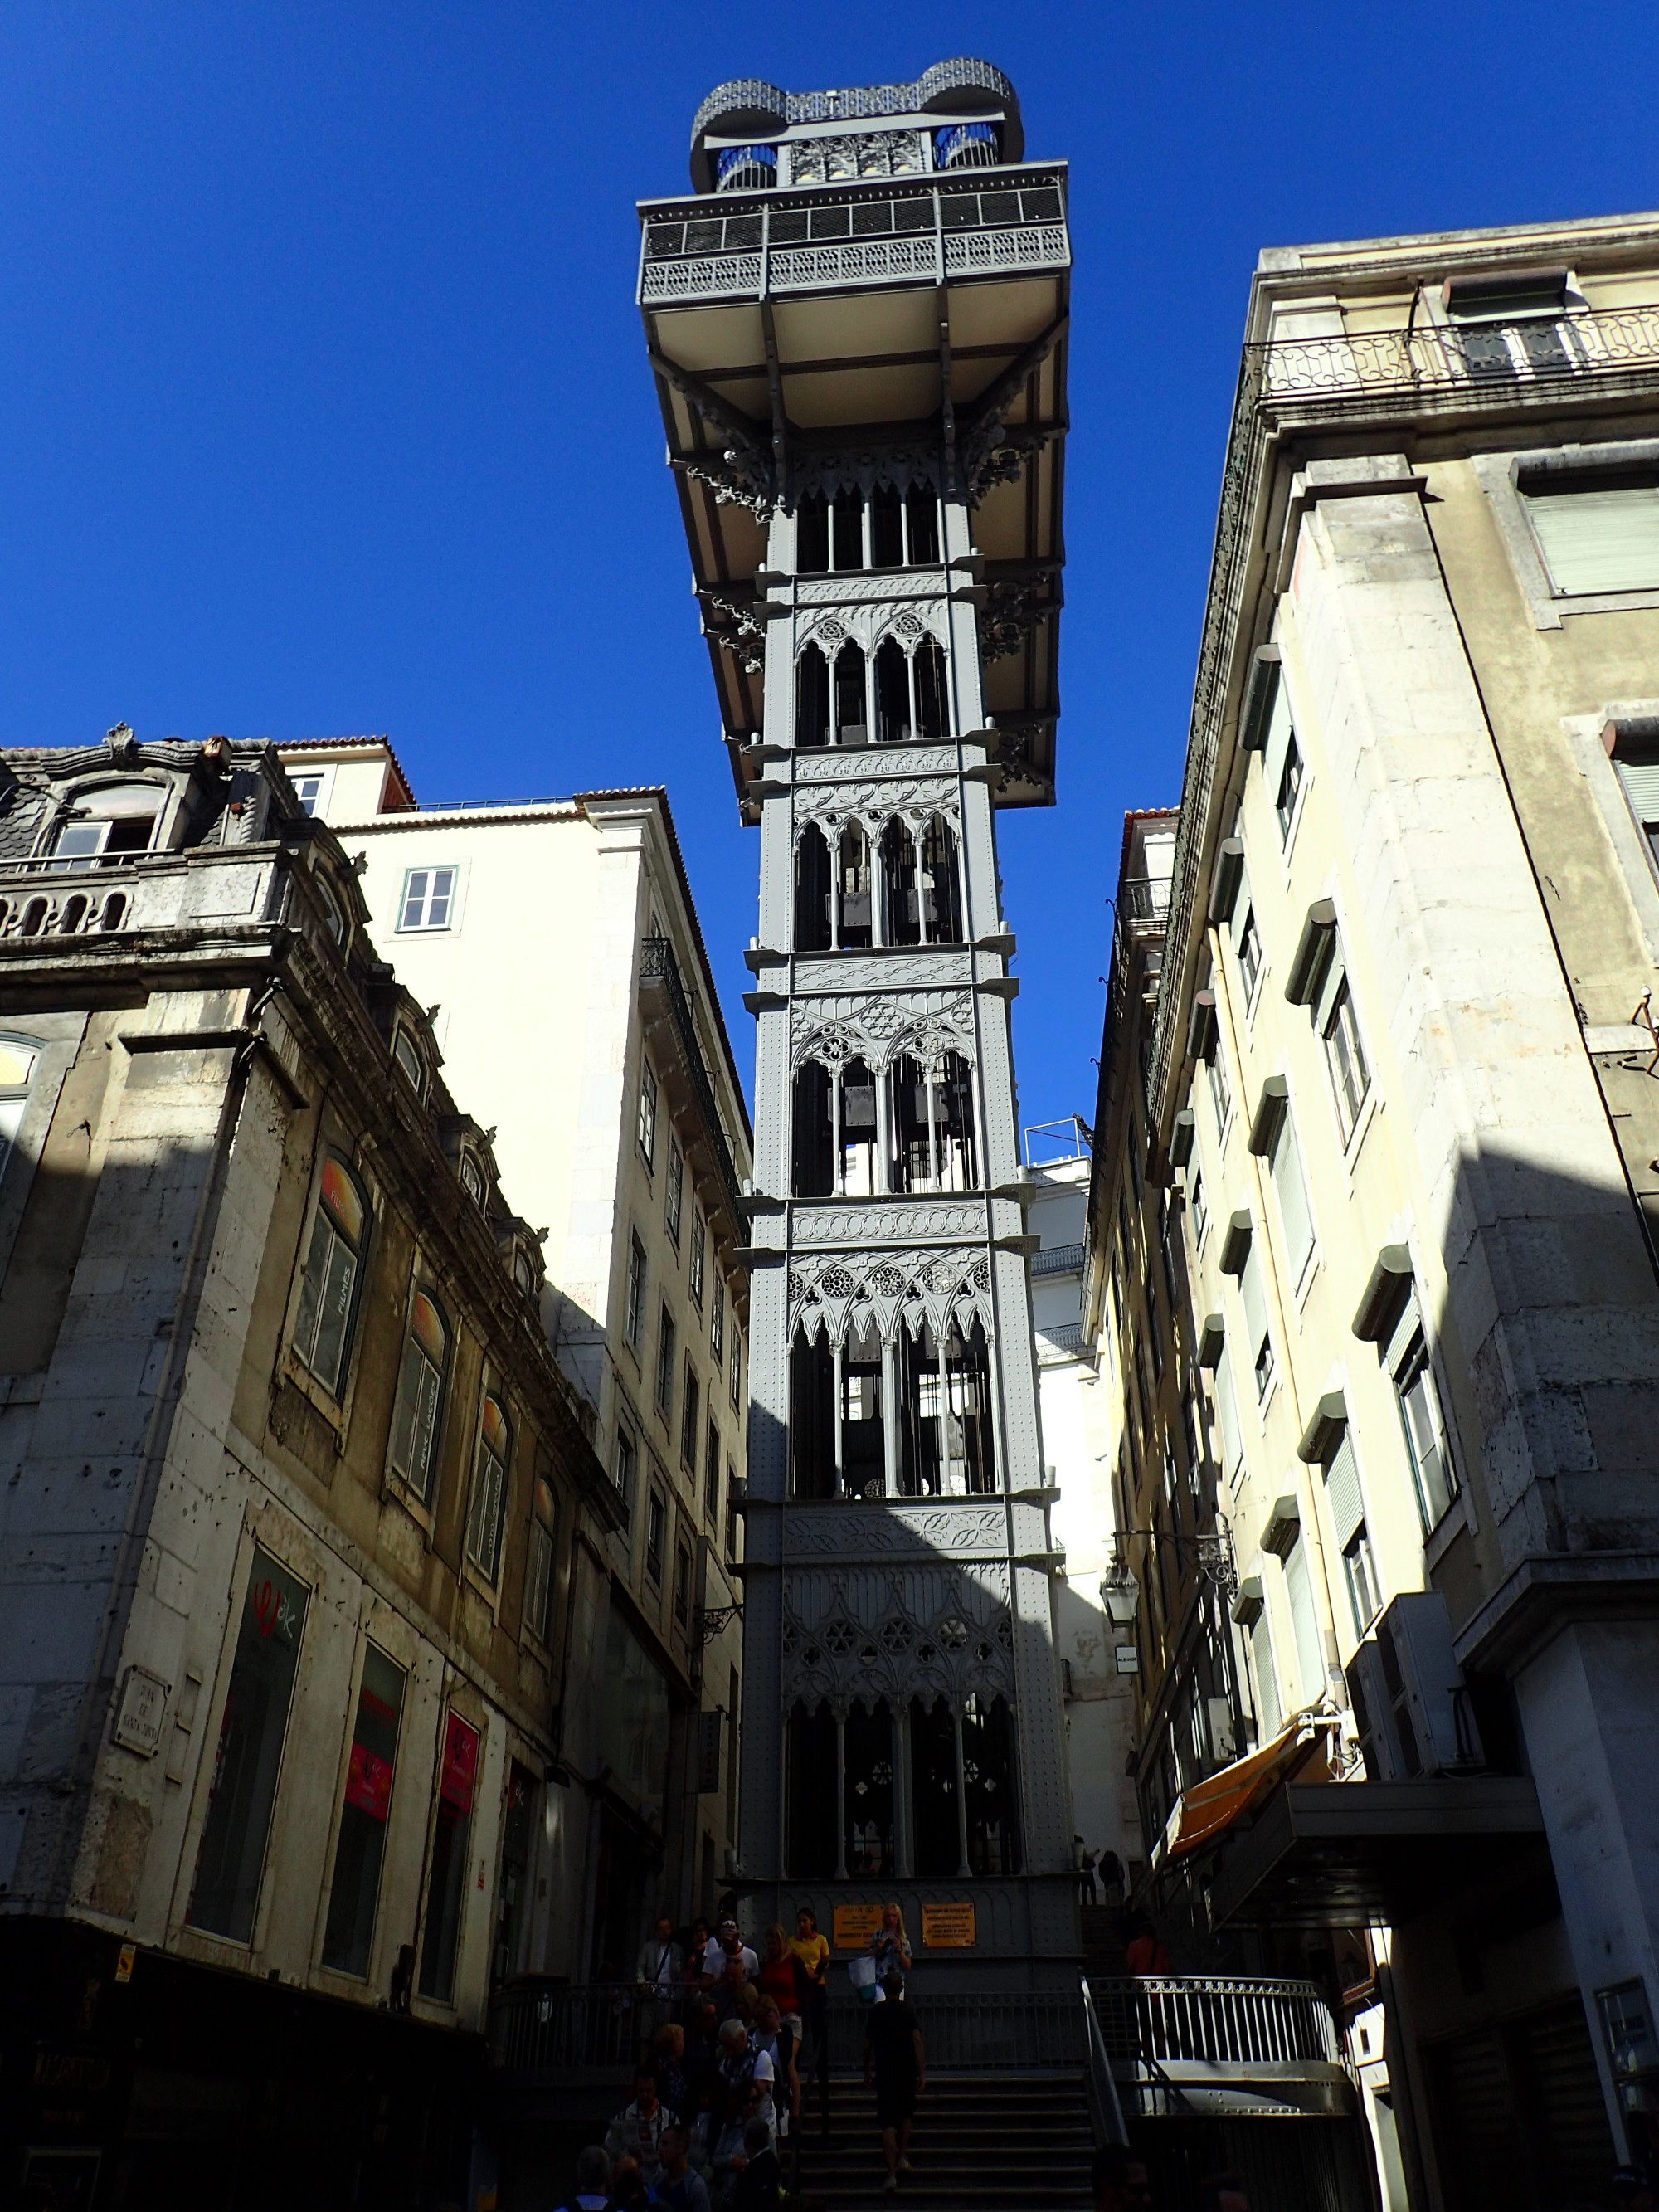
1223, 2020
1019, 2032
575, 2028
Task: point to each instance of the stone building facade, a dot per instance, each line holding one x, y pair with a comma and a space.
293, 1487
1401, 1100
620, 1125
857, 329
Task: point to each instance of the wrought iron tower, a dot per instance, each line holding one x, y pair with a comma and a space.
857, 327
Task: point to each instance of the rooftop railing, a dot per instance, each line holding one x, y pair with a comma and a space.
1481, 361
929, 232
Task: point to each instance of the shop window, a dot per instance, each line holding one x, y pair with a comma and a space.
452, 1832
247, 1765
361, 1845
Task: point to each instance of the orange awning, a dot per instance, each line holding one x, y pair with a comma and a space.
1210, 1806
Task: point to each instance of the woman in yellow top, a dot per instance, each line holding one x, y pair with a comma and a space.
812, 1954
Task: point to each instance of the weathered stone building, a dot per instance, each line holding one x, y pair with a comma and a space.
292, 1484
619, 1122
1400, 1099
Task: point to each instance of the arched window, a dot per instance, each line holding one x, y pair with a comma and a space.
418, 1410
115, 907
886, 528
940, 886
406, 1053
837, 1430
485, 1519
933, 1789
989, 1799
863, 1439
945, 1444
34, 918
328, 1286
867, 1824
812, 892
892, 693
74, 914
851, 701
811, 698
811, 1822
837, 1131
921, 526
849, 518
108, 825
932, 711
812, 535
853, 917
814, 1166
932, 1124
898, 873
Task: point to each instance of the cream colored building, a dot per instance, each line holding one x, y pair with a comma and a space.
558, 948
1402, 1090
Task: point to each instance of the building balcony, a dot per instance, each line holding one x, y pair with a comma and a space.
934, 231
669, 1020
1536, 360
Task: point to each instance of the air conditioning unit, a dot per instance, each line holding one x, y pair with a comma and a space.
1408, 1695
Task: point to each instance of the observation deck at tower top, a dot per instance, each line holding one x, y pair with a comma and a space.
859, 270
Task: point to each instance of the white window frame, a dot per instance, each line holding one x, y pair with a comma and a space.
422, 927
323, 780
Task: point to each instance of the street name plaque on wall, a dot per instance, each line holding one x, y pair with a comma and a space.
949, 1927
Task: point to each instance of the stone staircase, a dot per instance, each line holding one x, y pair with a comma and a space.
996, 2143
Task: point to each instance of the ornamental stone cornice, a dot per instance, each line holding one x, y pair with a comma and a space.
888, 1221
915, 968
863, 764
964, 1528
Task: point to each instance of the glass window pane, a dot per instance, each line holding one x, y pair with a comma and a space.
446, 1888
361, 1843
246, 1765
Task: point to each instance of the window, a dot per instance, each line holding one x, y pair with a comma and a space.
1268, 1712
243, 1790
730, 1511
699, 1257
452, 1833
634, 1321
1221, 1096
736, 1361
647, 1125
328, 1287
690, 1400
1195, 1200
489, 1466
1257, 1333
109, 826
1598, 531
624, 1460
428, 901
333, 913
1291, 1191
1290, 787
676, 1191
419, 1404
711, 1476
472, 1179
683, 1586
18, 1056
361, 1845
656, 1521
538, 1565
1433, 1475
308, 788
407, 1056
1361, 1570
1344, 1056
1299, 1588
717, 1324
1249, 956
664, 1359
1635, 764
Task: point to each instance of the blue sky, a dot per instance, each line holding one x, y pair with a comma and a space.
323, 406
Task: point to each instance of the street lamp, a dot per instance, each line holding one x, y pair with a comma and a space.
1120, 1593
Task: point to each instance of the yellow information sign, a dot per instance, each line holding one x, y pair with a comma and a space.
854, 1924
949, 1927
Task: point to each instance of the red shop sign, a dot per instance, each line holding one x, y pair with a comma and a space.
368, 1782
460, 1765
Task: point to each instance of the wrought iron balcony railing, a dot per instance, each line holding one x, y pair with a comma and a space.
929, 232
1058, 1260
1143, 898
659, 970
1478, 361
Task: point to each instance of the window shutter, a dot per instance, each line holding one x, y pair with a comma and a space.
1278, 737
1292, 1193
1255, 1308
1226, 1410
1342, 1492
1600, 541
1299, 1589
1640, 778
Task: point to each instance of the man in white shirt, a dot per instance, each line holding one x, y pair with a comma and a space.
733, 1946
637, 2130
661, 1963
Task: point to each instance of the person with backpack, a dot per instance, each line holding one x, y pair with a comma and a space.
592, 2189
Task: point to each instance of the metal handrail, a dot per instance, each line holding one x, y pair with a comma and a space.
659, 965
1218, 2020
1547, 349
1105, 2107
1058, 1260
570, 2027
